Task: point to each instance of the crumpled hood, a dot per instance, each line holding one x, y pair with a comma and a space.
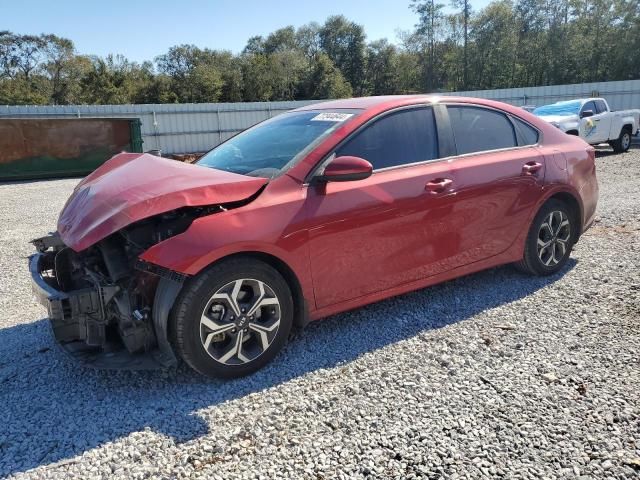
132, 186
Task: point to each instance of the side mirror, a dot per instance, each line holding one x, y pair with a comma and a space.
586, 113
345, 169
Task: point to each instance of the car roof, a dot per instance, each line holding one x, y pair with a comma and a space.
388, 102
363, 102
372, 106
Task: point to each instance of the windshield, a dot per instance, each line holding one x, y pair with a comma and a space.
561, 109
272, 146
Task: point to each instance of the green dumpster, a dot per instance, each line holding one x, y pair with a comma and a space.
32, 148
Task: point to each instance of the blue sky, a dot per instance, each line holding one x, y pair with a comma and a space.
143, 29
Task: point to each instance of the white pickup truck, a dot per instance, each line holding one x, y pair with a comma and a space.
593, 121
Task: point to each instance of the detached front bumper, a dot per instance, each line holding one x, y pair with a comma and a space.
44, 293
78, 321
76, 315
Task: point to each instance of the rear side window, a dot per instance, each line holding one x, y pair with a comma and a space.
400, 138
477, 129
527, 134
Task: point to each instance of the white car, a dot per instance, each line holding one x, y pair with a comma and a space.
593, 121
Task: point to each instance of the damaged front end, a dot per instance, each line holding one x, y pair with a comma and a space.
108, 308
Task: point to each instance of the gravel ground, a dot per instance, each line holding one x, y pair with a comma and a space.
494, 375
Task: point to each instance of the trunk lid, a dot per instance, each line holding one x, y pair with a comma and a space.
133, 186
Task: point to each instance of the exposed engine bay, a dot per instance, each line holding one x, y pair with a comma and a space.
105, 293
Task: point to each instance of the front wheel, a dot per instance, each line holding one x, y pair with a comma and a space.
550, 240
232, 319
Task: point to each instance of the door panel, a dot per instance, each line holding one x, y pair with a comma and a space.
404, 224
602, 125
370, 235
496, 184
494, 197
594, 129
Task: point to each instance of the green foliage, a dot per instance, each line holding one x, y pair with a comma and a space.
430, 28
255, 72
495, 46
344, 43
382, 68
509, 43
326, 81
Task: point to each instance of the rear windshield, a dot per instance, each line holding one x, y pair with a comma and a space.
561, 109
273, 146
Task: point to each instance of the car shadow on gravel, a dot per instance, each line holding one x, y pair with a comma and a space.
55, 410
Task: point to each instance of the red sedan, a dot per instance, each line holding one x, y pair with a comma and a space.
314, 212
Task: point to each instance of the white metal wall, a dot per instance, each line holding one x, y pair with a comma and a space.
187, 128
620, 95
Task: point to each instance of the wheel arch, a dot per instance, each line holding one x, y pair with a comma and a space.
574, 205
300, 307
564, 194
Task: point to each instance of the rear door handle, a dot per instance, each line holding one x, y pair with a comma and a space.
531, 168
438, 185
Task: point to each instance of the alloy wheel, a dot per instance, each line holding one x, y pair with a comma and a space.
554, 236
240, 321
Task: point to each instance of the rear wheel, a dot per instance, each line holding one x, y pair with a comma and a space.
550, 239
623, 142
233, 318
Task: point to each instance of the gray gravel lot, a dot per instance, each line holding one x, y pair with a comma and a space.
492, 375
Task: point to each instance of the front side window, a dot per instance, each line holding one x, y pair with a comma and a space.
601, 106
589, 106
399, 138
477, 129
271, 147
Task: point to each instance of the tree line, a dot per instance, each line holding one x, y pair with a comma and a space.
452, 47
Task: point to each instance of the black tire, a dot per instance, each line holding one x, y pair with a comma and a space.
623, 143
539, 262
185, 321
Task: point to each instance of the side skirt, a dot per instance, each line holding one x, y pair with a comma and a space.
509, 256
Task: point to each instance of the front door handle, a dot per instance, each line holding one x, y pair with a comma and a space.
530, 168
438, 185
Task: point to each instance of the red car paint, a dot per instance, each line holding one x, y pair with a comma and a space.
352, 243
133, 186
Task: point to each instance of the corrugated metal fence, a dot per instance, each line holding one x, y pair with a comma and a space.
620, 95
184, 128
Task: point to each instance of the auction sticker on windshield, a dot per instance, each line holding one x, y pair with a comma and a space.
331, 117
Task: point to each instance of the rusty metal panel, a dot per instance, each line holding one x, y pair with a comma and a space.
53, 147
172, 128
